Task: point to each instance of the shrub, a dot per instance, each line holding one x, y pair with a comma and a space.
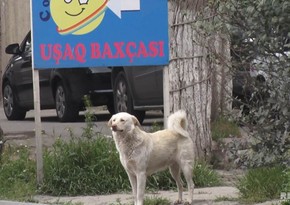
259, 33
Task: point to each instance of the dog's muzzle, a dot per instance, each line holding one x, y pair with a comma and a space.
115, 128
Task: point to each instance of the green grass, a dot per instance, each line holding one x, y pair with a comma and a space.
223, 127
261, 184
17, 174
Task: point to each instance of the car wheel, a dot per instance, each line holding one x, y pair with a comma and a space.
11, 109
66, 110
123, 99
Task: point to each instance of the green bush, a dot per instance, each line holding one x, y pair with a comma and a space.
17, 174
261, 184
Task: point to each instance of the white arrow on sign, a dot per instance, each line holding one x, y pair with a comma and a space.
117, 6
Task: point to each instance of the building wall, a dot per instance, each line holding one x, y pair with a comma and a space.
14, 24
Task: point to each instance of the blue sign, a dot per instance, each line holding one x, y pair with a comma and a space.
92, 33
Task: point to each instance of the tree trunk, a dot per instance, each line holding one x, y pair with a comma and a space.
193, 68
190, 72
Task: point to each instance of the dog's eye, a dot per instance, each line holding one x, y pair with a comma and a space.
122, 120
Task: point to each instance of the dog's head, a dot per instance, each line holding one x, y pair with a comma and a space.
123, 122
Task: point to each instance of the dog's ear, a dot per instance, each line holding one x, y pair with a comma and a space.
136, 121
110, 123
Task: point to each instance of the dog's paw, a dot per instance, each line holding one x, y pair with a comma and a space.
178, 202
187, 203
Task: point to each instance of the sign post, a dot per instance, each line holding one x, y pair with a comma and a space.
37, 115
38, 134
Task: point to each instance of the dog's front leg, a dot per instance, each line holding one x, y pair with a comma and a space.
141, 184
133, 182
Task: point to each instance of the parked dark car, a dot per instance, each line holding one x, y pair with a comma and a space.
138, 89
62, 89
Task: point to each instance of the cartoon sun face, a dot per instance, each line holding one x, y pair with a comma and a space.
77, 16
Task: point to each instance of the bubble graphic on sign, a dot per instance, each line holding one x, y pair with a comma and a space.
77, 17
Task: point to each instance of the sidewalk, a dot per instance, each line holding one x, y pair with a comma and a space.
202, 196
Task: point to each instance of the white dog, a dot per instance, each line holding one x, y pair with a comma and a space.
143, 153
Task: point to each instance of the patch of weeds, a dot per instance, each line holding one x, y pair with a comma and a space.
83, 166
286, 202
17, 174
160, 181
88, 131
204, 176
223, 128
261, 184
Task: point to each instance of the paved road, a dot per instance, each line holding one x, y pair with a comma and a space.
23, 132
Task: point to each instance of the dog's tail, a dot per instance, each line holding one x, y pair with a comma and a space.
178, 123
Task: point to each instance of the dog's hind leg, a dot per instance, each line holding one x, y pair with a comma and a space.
175, 173
187, 170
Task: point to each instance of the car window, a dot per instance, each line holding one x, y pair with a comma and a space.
27, 47
26, 44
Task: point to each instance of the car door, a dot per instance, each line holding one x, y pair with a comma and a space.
23, 74
146, 84
24, 78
